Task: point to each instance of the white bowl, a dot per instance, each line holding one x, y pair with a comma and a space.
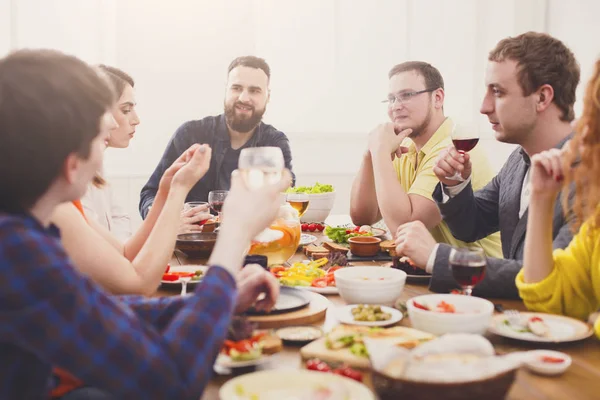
473, 314
383, 286
535, 364
319, 207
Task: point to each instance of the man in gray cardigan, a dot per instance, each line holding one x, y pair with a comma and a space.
531, 81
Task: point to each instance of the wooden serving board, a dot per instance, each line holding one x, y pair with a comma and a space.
310, 314
317, 349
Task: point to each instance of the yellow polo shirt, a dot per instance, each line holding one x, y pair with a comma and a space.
415, 173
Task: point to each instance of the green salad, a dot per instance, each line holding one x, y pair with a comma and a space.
315, 189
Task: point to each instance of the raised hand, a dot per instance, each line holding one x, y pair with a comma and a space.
449, 162
547, 174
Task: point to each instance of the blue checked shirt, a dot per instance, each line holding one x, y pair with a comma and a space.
130, 346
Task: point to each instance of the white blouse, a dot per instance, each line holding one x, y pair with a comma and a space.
100, 204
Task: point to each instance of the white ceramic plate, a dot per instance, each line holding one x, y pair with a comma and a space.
286, 384
307, 239
562, 329
345, 316
224, 361
186, 268
299, 334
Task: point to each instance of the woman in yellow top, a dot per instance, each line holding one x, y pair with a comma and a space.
566, 281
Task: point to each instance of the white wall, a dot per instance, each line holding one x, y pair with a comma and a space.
329, 61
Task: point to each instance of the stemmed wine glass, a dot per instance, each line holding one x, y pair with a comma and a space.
261, 166
299, 201
464, 140
216, 198
468, 267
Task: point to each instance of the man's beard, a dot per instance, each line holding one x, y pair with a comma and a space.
242, 124
417, 131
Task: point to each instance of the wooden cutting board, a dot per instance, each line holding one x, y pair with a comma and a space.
317, 349
314, 312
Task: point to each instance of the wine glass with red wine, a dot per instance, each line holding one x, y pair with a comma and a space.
464, 140
216, 198
468, 267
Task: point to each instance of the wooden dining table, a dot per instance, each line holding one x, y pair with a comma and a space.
581, 381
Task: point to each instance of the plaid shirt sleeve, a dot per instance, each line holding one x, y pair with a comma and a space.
166, 351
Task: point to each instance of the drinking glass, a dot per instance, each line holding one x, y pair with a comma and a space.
261, 166
468, 267
464, 140
216, 198
299, 201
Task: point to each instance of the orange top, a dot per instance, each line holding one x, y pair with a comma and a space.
77, 203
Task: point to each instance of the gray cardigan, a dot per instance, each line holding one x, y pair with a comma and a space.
472, 216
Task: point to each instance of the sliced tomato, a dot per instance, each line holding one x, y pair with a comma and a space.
277, 269
421, 306
553, 360
315, 364
258, 337
349, 373
168, 268
536, 319
333, 269
170, 277
319, 282
330, 279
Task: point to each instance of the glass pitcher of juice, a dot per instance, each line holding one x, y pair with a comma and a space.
280, 242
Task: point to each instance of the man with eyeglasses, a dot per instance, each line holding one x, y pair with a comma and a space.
396, 179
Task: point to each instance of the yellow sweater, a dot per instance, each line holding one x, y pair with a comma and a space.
573, 286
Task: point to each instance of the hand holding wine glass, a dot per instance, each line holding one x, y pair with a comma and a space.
464, 140
468, 267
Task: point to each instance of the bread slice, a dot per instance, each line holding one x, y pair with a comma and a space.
271, 344
389, 246
312, 249
334, 247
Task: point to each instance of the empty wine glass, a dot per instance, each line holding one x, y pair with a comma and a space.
216, 198
468, 267
464, 139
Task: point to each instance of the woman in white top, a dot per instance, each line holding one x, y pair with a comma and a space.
99, 202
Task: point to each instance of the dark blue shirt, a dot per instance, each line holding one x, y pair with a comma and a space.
212, 131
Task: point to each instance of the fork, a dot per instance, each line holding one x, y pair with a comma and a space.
184, 281
513, 317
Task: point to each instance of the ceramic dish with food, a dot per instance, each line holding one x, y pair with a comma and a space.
449, 313
364, 246
299, 334
306, 239
368, 315
539, 327
370, 285
293, 384
454, 366
173, 275
196, 244
547, 362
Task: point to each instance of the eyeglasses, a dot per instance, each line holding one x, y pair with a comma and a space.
405, 97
